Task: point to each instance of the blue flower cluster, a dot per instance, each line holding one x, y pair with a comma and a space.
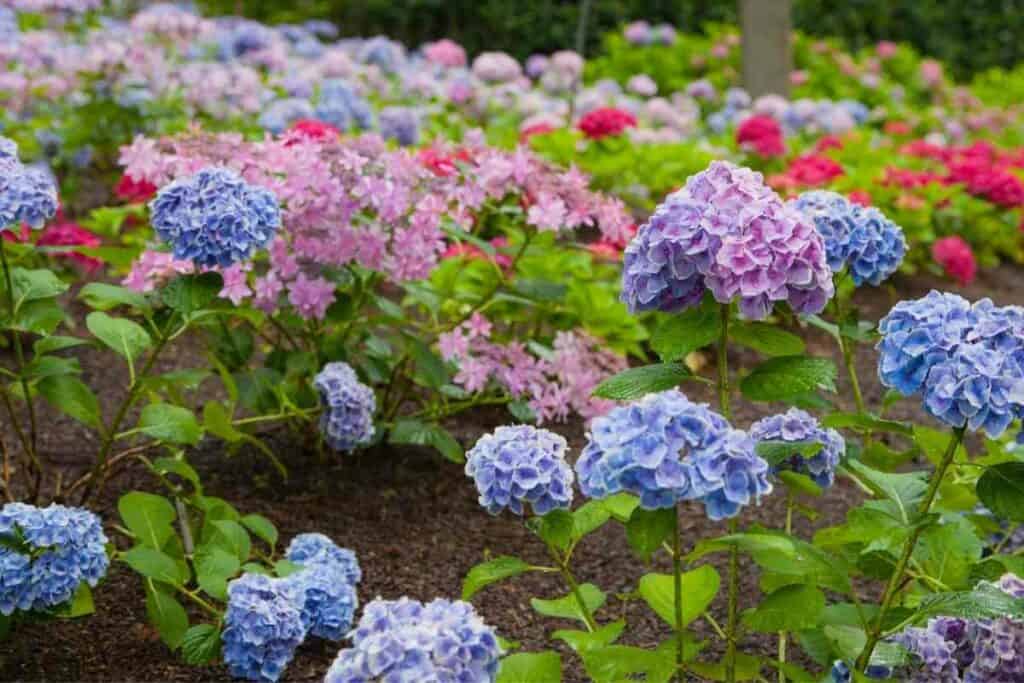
665, 448
857, 238
263, 627
280, 114
326, 585
521, 464
215, 218
382, 52
401, 124
309, 549
341, 107
938, 650
799, 426
967, 361
46, 554
27, 195
404, 640
347, 420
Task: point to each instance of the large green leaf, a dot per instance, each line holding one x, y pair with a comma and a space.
767, 339
1001, 489
410, 431
687, 331
148, 516
32, 285
648, 529
905, 491
124, 337
200, 645
215, 566
620, 663
71, 396
699, 588
233, 537
262, 527
166, 422
583, 641
790, 608
638, 382
788, 377
567, 607
986, 601
101, 296
187, 294
154, 564
166, 614
486, 573
531, 667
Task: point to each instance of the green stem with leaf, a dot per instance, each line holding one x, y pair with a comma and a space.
732, 623
849, 361
677, 573
782, 634
574, 587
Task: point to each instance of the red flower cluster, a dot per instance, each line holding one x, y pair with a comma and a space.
62, 233
859, 197
956, 258
134, 191
810, 170
984, 170
997, 185
908, 178
312, 129
605, 121
761, 134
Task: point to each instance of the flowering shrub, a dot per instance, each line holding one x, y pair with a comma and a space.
956, 258
263, 626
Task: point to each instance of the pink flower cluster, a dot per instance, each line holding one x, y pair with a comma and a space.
808, 170
356, 201
986, 171
762, 135
956, 258
554, 385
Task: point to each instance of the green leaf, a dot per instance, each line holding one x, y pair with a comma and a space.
430, 369
790, 608
986, 601
214, 568
748, 668
799, 483
80, 605
787, 377
56, 343
556, 528
286, 568
848, 641
621, 506
410, 431
589, 517
948, 551
638, 382
148, 516
648, 529
181, 468
126, 338
217, 421
567, 607
866, 422
699, 588
38, 317
904, 490
531, 667
166, 422
32, 285
767, 339
101, 296
234, 537
522, 411
620, 663
166, 614
775, 452
262, 527
584, 641
200, 645
153, 564
189, 293
484, 574
50, 366
1001, 489
687, 331
72, 397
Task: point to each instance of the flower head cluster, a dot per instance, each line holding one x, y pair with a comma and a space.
312, 548
404, 640
445, 52
966, 360
341, 107
761, 134
281, 114
665, 449
861, 240
326, 600
605, 122
46, 553
262, 627
798, 426
27, 195
521, 464
956, 258
496, 67
400, 124
215, 218
348, 405
728, 232
807, 170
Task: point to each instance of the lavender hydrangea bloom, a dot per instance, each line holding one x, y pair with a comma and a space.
326, 598
347, 420
46, 554
27, 195
728, 232
998, 644
933, 653
860, 239
404, 640
215, 218
341, 107
521, 464
797, 425
382, 52
280, 114
317, 549
400, 124
263, 627
665, 449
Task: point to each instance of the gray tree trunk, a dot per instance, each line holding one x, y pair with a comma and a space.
767, 28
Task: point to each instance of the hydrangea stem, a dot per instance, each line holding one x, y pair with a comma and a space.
848, 358
782, 634
677, 570
896, 580
574, 588
723, 364
734, 551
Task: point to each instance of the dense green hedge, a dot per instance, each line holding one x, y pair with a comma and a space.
971, 35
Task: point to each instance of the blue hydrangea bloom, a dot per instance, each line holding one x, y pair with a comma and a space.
341, 107
242, 37
311, 549
382, 52
280, 114
326, 597
966, 361
262, 627
521, 464
797, 425
215, 218
404, 640
937, 650
860, 239
400, 124
858, 110
27, 195
348, 406
664, 449
46, 554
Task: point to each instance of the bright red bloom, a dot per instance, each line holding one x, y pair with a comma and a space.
860, 197
956, 258
65, 234
810, 170
134, 191
440, 164
826, 143
997, 185
313, 129
897, 128
605, 121
761, 134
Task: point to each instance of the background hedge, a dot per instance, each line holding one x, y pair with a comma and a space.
970, 35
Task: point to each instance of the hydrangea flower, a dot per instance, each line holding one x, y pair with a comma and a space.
796, 425
728, 232
46, 554
341, 107
400, 124
966, 361
262, 627
665, 449
521, 464
348, 406
280, 114
27, 195
326, 598
214, 218
861, 240
317, 549
934, 650
404, 640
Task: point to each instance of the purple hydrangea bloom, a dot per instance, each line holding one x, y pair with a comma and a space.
326, 598
348, 405
317, 549
932, 653
215, 218
400, 124
280, 114
665, 448
521, 464
997, 644
46, 554
665, 34
262, 627
797, 425
638, 33
382, 52
728, 232
404, 640
859, 239
341, 107
27, 195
